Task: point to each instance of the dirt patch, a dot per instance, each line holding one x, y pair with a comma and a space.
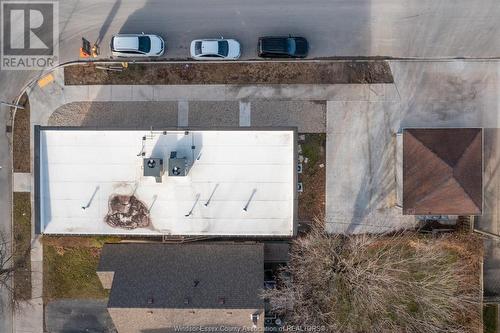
21, 137
312, 199
22, 245
322, 72
78, 241
127, 212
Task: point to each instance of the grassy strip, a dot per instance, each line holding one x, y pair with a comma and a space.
22, 243
490, 318
291, 72
70, 265
21, 137
312, 199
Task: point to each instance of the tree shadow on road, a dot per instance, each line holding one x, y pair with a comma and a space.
107, 23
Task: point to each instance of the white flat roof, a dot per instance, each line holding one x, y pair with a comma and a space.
80, 167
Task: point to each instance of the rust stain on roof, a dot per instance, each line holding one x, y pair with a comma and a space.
127, 212
442, 171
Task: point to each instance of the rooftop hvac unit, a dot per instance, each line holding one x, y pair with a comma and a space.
153, 167
177, 166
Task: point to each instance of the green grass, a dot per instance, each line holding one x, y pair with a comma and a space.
70, 272
490, 318
21, 137
312, 147
22, 243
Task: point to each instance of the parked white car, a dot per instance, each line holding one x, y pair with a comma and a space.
215, 49
137, 45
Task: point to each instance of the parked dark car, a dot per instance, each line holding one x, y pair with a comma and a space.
283, 47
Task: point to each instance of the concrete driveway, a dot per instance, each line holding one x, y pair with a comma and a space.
362, 148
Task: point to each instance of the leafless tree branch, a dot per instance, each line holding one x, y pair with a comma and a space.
404, 282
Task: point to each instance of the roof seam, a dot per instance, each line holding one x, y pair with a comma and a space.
450, 175
430, 150
462, 156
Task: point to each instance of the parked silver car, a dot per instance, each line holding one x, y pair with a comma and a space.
137, 45
215, 49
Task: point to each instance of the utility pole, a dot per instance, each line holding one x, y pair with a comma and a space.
12, 105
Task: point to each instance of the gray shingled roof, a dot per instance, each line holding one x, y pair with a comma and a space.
276, 252
167, 273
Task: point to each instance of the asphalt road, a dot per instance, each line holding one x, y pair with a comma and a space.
78, 315
399, 28
343, 28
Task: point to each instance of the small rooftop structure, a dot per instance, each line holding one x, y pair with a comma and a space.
153, 167
238, 182
158, 287
443, 171
177, 166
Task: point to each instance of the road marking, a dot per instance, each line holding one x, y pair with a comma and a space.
245, 114
45, 80
182, 113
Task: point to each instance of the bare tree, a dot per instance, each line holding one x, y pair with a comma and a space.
387, 283
11, 261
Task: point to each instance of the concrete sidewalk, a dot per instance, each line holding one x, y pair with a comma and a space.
48, 98
28, 318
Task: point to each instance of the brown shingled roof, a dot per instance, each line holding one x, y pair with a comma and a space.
442, 171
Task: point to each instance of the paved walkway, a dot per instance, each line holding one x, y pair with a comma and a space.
21, 182
55, 94
28, 318
5, 212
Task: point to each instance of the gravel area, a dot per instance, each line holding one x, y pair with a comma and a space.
116, 114
214, 114
308, 116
